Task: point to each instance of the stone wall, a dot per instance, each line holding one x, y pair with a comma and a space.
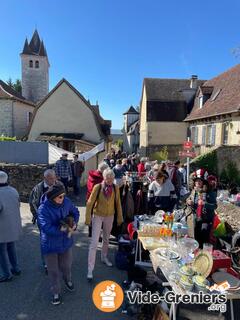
173, 151
6, 116
226, 154
24, 177
35, 81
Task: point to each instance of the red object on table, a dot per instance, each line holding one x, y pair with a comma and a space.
220, 261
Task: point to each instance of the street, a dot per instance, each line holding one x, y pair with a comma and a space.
27, 297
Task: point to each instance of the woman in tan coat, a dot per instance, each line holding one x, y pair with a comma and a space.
101, 207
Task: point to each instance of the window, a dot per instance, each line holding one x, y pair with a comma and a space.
201, 102
211, 135
225, 133
30, 64
204, 129
37, 64
29, 117
194, 134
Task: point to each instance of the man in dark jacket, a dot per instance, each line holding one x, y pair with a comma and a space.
77, 171
36, 194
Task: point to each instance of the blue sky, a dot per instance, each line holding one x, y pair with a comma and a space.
106, 47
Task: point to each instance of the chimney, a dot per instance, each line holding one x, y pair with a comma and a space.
193, 81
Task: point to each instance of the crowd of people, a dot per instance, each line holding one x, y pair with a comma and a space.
57, 217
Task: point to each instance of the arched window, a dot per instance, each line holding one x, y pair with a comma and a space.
37, 64
30, 63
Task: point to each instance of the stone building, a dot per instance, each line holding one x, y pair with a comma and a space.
15, 112
131, 130
66, 119
215, 118
35, 69
165, 103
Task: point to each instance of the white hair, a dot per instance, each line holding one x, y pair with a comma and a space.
3, 177
49, 172
108, 173
102, 166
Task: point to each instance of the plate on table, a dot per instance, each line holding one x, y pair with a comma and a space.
222, 276
203, 263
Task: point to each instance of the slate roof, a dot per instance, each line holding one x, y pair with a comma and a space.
8, 92
35, 46
167, 89
131, 110
165, 98
224, 98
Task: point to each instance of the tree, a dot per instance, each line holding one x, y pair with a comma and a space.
17, 85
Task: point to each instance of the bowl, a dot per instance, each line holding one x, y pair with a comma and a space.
187, 271
186, 283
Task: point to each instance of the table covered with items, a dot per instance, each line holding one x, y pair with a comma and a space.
163, 244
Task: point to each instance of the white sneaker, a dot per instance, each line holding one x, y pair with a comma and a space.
106, 261
90, 275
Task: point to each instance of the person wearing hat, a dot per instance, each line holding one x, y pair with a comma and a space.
56, 238
201, 205
64, 171
10, 229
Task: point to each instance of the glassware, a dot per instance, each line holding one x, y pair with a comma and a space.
208, 247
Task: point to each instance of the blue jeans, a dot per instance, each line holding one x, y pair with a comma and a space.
8, 255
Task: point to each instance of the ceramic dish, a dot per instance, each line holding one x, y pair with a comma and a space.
203, 263
201, 283
187, 271
186, 283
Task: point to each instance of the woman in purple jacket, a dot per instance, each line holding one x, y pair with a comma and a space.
54, 215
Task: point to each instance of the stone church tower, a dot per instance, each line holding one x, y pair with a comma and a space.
35, 66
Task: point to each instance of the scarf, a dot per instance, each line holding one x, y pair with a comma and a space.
107, 190
3, 184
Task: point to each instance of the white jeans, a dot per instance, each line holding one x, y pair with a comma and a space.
97, 223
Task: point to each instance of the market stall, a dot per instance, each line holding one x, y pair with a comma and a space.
186, 268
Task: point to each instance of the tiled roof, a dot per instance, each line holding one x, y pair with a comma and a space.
9, 93
225, 97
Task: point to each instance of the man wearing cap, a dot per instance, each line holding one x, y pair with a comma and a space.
10, 229
63, 170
